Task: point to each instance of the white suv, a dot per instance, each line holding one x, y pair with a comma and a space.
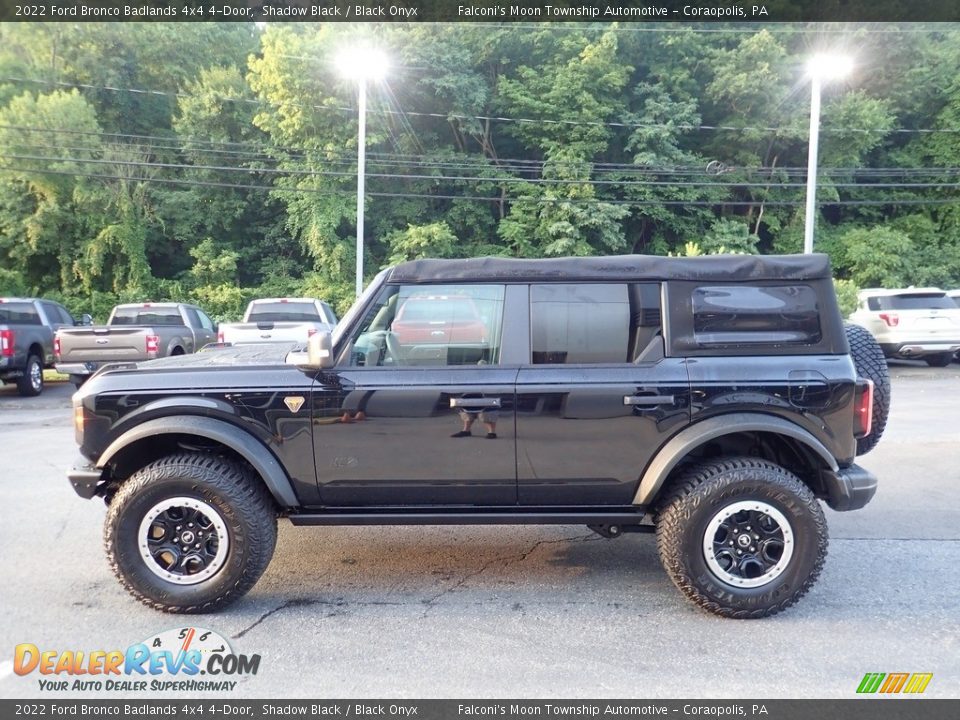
921, 323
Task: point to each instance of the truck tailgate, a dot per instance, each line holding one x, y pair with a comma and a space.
102, 344
269, 332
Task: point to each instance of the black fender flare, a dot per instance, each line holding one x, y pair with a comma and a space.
241, 442
681, 444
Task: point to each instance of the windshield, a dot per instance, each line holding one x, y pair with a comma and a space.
359, 303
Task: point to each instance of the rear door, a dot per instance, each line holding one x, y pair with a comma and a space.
596, 397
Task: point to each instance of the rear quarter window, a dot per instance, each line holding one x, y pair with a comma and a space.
725, 316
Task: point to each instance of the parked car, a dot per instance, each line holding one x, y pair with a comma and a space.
287, 320
134, 332
921, 323
712, 400
27, 328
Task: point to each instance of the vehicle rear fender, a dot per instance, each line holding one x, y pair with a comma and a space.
241, 442
695, 436
185, 345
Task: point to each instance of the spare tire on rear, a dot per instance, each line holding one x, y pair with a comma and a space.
871, 364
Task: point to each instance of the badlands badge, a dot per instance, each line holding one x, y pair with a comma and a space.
293, 403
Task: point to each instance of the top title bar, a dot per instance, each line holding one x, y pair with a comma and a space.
480, 11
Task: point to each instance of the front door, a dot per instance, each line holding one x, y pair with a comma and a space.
420, 410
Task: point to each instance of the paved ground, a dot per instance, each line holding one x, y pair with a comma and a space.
552, 612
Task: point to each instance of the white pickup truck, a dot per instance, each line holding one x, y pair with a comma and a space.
276, 320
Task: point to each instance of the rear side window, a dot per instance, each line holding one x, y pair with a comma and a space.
914, 301
19, 314
730, 316
594, 323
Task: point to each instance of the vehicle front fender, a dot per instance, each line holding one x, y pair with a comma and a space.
687, 440
241, 442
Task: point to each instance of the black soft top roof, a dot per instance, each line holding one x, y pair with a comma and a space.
717, 268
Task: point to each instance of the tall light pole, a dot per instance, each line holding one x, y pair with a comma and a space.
819, 68
362, 64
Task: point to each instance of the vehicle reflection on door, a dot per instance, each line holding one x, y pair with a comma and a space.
399, 438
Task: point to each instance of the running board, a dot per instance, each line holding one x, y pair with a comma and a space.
336, 517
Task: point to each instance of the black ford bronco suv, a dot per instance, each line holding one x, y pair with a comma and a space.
715, 401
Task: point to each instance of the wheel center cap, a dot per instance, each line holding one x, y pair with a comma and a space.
187, 537
743, 541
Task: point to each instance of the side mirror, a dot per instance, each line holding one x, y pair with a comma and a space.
86, 319
319, 354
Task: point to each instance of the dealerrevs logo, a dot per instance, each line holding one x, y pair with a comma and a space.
184, 659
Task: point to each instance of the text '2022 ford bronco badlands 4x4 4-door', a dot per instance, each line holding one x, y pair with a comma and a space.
712, 400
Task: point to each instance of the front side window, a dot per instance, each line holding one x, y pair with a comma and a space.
422, 325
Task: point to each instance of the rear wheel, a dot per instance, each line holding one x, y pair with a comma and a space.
190, 533
741, 537
939, 360
869, 360
31, 382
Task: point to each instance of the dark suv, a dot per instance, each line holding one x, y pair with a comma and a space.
712, 400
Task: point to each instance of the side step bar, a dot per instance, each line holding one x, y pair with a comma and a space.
335, 517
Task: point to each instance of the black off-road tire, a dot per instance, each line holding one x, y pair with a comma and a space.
30, 384
939, 360
226, 486
701, 493
870, 362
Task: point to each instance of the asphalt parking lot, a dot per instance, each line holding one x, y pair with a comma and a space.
550, 612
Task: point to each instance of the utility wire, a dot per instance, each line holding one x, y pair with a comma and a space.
684, 127
461, 178
494, 199
449, 163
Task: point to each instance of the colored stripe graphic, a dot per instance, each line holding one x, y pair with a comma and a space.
894, 682
918, 682
870, 682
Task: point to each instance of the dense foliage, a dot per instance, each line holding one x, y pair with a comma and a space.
217, 162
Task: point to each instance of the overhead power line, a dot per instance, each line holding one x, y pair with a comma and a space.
480, 198
492, 118
499, 180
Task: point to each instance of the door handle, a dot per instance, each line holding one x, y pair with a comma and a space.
474, 403
648, 400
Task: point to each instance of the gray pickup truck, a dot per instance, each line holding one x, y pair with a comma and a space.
133, 333
27, 327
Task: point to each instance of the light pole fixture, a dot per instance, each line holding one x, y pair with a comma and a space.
820, 68
361, 64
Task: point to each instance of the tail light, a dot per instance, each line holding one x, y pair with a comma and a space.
863, 405
311, 332
6, 343
153, 344
56, 346
891, 319
219, 336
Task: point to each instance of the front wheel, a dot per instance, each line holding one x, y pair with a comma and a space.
741, 537
190, 533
